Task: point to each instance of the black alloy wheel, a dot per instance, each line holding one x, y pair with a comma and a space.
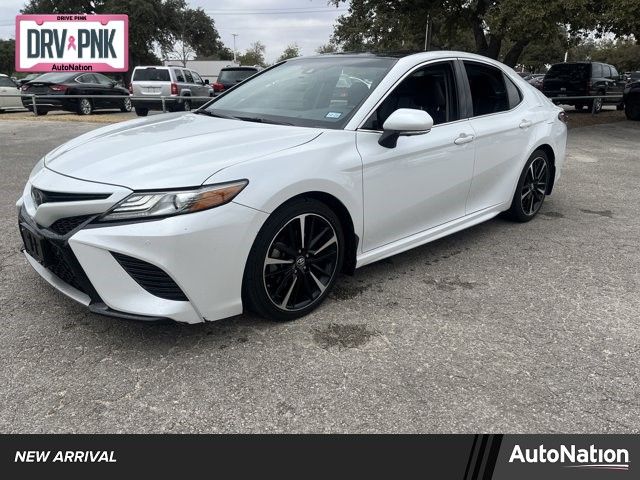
532, 188
294, 261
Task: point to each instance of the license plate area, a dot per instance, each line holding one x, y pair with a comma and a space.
35, 244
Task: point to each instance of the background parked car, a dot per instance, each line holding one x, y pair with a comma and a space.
631, 100
536, 80
581, 79
9, 87
231, 76
54, 90
179, 84
634, 77
28, 78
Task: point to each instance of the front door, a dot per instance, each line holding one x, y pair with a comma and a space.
423, 182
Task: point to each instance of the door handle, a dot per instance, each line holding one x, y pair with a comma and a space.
525, 123
463, 138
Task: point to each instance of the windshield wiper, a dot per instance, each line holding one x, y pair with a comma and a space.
263, 120
209, 113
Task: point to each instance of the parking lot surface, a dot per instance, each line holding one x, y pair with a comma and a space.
503, 327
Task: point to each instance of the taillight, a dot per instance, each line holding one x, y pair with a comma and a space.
174, 89
218, 87
130, 88
563, 117
58, 88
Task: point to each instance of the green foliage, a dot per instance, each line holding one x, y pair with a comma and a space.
327, 48
254, 55
292, 51
7, 51
502, 29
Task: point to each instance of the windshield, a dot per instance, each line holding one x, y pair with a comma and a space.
234, 76
575, 71
313, 92
151, 75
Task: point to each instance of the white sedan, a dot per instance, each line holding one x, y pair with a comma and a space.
9, 94
261, 197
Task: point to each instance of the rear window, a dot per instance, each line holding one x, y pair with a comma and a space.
151, 75
55, 77
6, 82
234, 75
573, 71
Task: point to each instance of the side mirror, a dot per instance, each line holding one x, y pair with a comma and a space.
404, 121
206, 81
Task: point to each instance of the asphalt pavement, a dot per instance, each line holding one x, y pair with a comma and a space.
500, 328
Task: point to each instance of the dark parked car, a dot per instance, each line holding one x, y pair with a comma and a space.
28, 78
53, 91
582, 79
631, 100
231, 76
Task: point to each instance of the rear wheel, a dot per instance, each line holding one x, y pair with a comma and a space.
596, 105
85, 107
294, 261
632, 107
532, 188
142, 112
40, 112
186, 105
126, 105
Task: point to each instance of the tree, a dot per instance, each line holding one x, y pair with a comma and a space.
7, 55
292, 51
154, 25
254, 55
327, 48
501, 29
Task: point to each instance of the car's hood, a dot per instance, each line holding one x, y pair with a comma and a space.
170, 150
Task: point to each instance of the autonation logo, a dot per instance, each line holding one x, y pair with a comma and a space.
592, 457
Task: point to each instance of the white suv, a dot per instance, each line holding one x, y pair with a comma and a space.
182, 87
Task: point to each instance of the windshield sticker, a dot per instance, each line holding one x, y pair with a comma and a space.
333, 115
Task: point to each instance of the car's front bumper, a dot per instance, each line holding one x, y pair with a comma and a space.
204, 253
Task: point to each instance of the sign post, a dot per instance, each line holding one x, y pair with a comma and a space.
72, 43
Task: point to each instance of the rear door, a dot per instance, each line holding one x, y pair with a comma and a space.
201, 90
88, 85
501, 122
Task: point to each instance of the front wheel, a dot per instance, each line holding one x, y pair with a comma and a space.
142, 112
294, 261
532, 188
596, 105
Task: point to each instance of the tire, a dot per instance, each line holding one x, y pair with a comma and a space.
619, 106
186, 105
85, 107
286, 276
126, 105
596, 104
531, 189
41, 112
632, 108
142, 112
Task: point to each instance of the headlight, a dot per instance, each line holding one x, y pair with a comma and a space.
162, 204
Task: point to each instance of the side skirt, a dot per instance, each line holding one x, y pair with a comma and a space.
430, 235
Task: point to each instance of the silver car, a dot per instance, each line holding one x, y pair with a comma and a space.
182, 88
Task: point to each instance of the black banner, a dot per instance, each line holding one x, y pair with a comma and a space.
456, 457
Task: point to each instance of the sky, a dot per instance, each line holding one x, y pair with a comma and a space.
276, 23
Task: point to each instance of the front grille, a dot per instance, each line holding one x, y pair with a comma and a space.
153, 279
44, 196
63, 226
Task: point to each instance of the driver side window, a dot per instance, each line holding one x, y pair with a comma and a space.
431, 88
